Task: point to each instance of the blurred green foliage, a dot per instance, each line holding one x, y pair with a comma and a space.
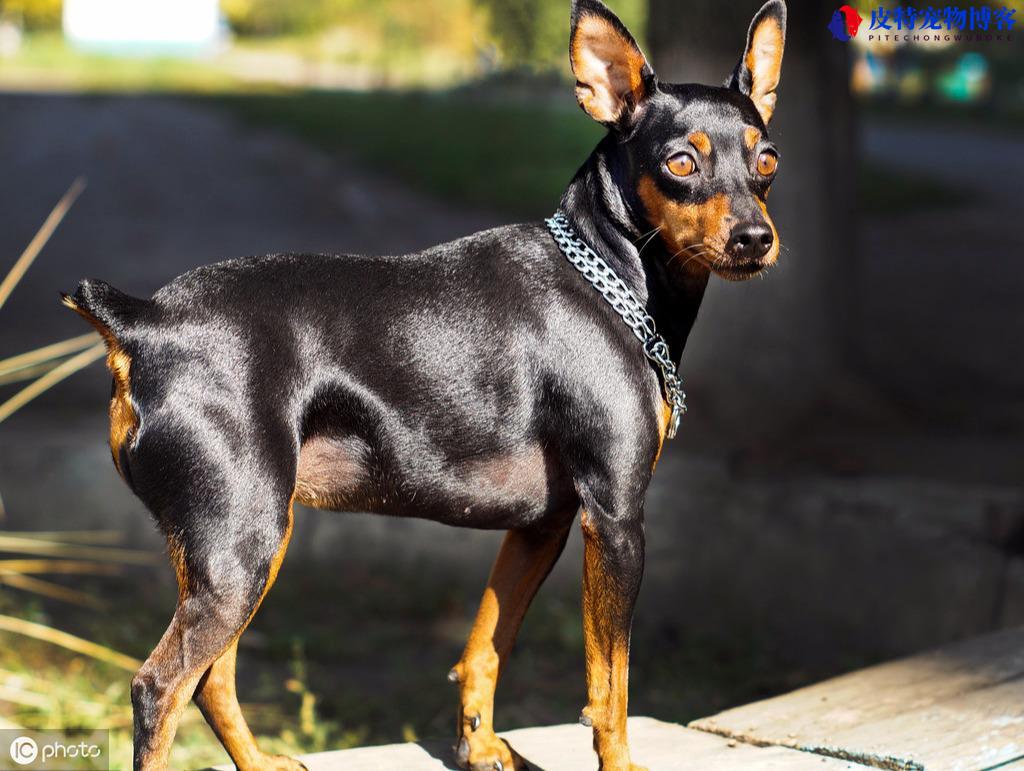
515, 33
34, 14
534, 33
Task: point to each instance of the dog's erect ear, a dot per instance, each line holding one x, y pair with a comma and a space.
612, 75
757, 74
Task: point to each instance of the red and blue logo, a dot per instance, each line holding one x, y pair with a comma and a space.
845, 23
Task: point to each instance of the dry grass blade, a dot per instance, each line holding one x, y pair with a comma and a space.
40, 701
68, 642
28, 373
19, 545
51, 590
50, 379
24, 698
75, 536
56, 567
47, 353
25, 680
39, 241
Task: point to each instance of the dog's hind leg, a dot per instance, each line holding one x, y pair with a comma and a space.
524, 561
226, 563
218, 702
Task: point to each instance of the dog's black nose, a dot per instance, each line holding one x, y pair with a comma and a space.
749, 241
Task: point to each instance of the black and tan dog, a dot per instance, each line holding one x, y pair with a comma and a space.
482, 383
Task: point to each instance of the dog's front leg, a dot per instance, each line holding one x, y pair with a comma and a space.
613, 563
523, 562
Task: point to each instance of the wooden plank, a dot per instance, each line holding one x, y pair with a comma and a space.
959, 707
660, 746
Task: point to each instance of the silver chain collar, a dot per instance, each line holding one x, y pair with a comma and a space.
621, 298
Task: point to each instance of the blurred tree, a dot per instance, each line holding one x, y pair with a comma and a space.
34, 14
279, 17
781, 342
534, 33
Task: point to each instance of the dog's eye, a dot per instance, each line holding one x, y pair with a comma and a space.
767, 162
682, 165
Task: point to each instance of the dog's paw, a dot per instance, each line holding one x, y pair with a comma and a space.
281, 763
484, 751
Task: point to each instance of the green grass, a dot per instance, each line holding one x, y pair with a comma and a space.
515, 155
46, 62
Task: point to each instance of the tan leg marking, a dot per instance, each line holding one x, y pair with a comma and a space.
522, 565
218, 701
606, 645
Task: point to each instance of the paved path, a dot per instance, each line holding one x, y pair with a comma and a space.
656, 745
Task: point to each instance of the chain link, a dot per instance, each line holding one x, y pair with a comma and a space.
621, 298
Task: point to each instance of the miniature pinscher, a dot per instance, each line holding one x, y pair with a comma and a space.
482, 383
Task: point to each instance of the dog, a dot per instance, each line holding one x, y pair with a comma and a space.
489, 382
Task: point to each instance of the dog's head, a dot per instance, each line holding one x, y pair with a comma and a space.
699, 158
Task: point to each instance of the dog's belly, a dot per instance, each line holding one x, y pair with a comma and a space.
513, 487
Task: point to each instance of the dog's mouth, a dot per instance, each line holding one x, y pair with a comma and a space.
739, 271
724, 266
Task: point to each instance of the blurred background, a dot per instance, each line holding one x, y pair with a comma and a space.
847, 486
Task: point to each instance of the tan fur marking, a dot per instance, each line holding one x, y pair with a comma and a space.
751, 136
664, 416
124, 421
701, 141
608, 68
689, 229
607, 660
764, 60
773, 254
218, 701
521, 566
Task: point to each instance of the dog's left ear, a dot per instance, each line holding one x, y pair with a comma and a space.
757, 74
613, 77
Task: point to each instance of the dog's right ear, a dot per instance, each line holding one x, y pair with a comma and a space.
613, 77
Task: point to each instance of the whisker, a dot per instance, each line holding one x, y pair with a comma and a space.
650, 237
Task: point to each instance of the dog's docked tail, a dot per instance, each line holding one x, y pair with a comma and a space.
115, 316
112, 312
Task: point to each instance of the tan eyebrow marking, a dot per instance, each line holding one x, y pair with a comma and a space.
751, 136
701, 141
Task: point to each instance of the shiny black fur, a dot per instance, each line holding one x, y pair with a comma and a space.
481, 383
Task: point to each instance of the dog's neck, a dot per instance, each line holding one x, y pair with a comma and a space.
611, 221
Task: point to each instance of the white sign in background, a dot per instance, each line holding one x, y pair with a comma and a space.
155, 23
